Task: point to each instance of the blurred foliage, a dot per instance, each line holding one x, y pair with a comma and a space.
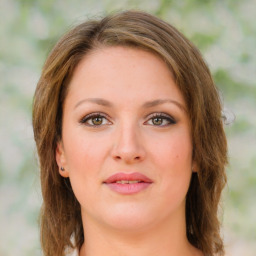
225, 32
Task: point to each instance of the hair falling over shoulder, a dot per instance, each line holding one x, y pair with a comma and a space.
60, 213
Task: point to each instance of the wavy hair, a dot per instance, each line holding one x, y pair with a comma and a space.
60, 217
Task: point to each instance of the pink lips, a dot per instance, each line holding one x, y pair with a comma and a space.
119, 182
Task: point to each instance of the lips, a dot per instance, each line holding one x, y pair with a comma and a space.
119, 177
127, 184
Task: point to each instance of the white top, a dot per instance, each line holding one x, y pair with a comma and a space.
72, 253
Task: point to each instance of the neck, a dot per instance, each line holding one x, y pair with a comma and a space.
168, 238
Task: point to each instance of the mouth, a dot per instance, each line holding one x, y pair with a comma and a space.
128, 181
128, 178
124, 183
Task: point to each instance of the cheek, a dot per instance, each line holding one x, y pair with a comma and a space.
173, 157
86, 163
84, 158
173, 152
83, 152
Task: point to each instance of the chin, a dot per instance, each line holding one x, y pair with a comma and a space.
129, 219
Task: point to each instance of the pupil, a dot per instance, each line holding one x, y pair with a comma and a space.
97, 120
157, 120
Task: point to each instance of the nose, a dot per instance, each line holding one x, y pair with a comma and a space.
128, 146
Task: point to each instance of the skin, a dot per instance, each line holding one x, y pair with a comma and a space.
127, 139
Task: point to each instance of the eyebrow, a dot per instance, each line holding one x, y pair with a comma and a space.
147, 104
98, 101
150, 104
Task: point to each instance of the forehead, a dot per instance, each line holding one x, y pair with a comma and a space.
126, 73
108, 57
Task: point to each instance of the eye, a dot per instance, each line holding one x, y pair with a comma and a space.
95, 119
161, 119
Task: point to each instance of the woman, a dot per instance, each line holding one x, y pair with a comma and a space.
128, 127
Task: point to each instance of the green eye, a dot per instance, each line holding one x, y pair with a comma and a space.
157, 121
97, 120
94, 120
161, 119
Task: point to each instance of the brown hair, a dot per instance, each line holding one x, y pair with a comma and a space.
60, 213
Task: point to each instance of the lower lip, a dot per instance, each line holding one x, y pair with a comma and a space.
128, 189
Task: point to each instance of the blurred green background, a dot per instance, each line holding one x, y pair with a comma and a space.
225, 32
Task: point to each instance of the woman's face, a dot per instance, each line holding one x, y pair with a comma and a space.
126, 143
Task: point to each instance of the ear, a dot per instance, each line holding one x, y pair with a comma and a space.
61, 160
195, 167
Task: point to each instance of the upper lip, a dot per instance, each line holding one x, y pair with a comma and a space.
128, 176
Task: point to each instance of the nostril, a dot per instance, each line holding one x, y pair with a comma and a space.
125, 158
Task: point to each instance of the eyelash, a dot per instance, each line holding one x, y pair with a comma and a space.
90, 117
162, 116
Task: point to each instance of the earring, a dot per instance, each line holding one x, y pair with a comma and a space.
62, 169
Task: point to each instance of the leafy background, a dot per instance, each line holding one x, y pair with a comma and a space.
225, 32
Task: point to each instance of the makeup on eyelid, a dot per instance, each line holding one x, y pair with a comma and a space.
159, 116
